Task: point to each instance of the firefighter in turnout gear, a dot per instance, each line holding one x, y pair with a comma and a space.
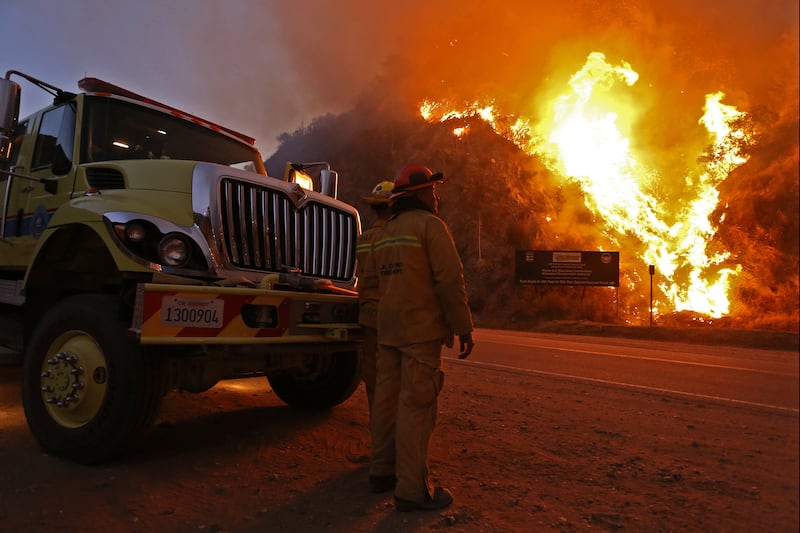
423, 304
379, 203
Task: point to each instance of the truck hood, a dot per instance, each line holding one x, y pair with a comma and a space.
167, 175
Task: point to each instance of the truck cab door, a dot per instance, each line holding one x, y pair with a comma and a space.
10, 186
48, 154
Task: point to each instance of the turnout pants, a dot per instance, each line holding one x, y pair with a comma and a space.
409, 380
368, 363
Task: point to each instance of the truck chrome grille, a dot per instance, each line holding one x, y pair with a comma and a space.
263, 230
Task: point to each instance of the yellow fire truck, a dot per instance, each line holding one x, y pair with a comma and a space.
144, 249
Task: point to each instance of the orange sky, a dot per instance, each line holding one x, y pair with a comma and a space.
267, 67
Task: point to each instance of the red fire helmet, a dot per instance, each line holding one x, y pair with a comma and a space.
413, 177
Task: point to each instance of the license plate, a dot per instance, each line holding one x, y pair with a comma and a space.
192, 312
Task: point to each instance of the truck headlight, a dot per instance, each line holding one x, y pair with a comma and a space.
148, 244
173, 250
135, 232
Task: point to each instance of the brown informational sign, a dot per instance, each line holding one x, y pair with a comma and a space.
566, 267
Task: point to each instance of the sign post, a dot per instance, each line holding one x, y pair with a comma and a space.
652, 269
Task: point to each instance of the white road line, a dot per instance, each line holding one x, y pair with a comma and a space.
657, 359
630, 385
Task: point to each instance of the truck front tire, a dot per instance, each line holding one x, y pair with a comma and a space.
88, 390
331, 385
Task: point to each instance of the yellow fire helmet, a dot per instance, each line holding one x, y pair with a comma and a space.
380, 193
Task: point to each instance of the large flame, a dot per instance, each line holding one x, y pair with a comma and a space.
580, 137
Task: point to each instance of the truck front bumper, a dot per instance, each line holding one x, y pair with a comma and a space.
187, 314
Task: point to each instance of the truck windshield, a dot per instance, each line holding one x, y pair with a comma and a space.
117, 129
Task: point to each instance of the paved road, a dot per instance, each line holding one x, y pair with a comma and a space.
234, 459
766, 378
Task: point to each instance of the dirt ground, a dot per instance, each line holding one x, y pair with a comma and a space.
521, 452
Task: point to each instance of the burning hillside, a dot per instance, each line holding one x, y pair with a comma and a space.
681, 161
579, 138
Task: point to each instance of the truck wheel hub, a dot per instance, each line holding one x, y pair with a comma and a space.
62, 380
74, 379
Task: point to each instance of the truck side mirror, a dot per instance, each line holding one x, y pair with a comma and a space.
329, 183
9, 115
